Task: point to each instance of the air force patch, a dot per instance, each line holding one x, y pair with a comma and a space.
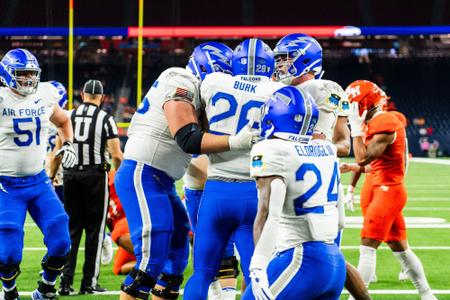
257, 162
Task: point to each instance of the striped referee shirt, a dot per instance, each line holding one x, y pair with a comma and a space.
92, 127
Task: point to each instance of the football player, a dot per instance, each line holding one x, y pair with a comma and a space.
229, 202
54, 171
27, 108
297, 213
298, 62
366, 189
384, 149
163, 134
224, 285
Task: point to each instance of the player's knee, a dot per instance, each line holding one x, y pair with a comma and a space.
9, 272
228, 268
11, 252
138, 284
168, 286
56, 236
53, 264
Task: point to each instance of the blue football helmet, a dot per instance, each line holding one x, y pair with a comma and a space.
62, 93
210, 57
297, 54
289, 114
253, 57
19, 70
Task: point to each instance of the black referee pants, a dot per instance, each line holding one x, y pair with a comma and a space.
86, 198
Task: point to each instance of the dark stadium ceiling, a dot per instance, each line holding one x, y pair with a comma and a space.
51, 13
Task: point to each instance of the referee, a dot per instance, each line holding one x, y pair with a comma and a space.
86, 193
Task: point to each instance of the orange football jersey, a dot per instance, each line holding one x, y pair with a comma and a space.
389, 168
115, 211
400, 116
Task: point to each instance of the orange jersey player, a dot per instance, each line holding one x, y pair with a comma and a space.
124, 260
384, 148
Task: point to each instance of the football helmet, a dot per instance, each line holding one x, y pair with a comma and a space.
19, 70
253, 57
210, 57
289, 114
62, 93
295, 55
367, 94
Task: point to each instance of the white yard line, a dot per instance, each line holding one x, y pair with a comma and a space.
372, 292
409, 226
430, 161
439, 248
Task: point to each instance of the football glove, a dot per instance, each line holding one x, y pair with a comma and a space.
260, 285
245, 138
350, 198
356, 121
69, 158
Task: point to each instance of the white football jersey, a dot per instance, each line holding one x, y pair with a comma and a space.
24, 126
331, 101
149, 138
230, 102
311, 174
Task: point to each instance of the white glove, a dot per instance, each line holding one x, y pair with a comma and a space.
69, 159
356, 121
260, 285
350, 198
245, 138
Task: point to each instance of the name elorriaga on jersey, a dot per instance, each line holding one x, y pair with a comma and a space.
24, 125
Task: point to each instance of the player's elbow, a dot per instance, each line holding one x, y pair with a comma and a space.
189, 138
343, 149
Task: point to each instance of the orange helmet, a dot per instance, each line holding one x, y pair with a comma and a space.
367, 94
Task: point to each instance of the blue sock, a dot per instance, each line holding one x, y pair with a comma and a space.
49, 278
9, 284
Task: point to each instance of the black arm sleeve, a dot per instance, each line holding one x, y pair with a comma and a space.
189, 138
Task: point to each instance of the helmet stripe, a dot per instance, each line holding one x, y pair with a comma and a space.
251, 56
308, 113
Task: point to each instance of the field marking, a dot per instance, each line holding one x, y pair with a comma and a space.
372, 292
416, 199
439, 248
430, 161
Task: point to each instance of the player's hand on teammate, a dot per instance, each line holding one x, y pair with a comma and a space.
69, 158
260, 285
245, 138
356, 121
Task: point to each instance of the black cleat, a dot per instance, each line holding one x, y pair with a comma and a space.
92, 289
11, 295
66, 289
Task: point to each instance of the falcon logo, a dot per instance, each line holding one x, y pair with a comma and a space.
213, 51
297, 42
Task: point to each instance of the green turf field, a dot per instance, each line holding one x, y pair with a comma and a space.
429, 197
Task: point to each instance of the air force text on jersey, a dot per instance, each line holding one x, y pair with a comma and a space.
24, 112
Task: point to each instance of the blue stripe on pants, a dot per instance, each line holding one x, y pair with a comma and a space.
314, 270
